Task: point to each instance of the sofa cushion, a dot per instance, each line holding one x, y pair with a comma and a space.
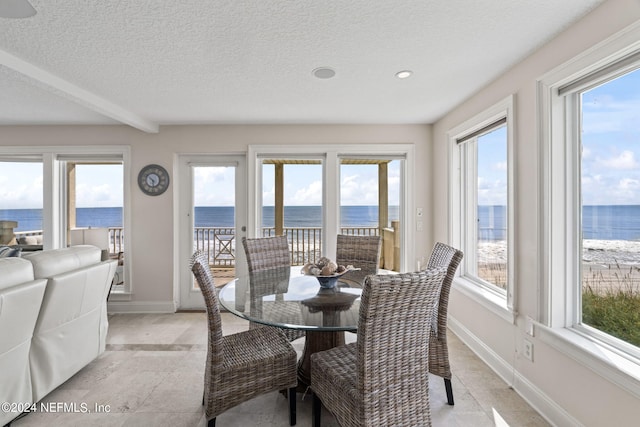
14, 272
20, 302
72, 324
9, 252
51, 263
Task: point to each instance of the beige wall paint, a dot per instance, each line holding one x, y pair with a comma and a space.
586, 396
151, 234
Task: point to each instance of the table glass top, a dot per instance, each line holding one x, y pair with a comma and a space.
287, 299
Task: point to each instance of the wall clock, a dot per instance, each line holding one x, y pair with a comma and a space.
153, 180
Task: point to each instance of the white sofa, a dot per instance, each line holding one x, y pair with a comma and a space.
71, 326
20, 302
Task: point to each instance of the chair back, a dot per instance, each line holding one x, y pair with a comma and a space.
202, 272
266, 253
269, 262
392, 346
360, 251
444, 255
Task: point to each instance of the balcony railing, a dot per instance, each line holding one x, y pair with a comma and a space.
219, 243
116, 238
306, 242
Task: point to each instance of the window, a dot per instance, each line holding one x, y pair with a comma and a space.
482, 202
21, 198
314, 185
591, 171
604, 144
610, 194
292, 205
61, 188
370, 202
95, 200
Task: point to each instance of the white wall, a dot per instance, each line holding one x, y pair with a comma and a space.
151, 235
567, 391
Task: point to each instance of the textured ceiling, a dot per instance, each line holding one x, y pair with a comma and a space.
153, 62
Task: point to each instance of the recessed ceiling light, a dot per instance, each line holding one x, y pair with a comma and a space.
324, 72
404, 74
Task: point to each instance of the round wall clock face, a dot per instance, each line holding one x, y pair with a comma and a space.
153, 180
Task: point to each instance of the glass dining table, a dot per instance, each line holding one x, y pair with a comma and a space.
285, 298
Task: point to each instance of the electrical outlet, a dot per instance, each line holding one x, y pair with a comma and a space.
419, 226
527, 348
419, 212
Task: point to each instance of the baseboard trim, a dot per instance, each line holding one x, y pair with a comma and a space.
141, 307
534, 396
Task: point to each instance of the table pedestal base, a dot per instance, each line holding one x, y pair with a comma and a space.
315, 341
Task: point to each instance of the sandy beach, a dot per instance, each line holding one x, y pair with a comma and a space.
606, 264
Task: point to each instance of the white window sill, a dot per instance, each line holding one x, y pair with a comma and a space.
608, 362
492, 301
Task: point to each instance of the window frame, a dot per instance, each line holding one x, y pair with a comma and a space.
559, 318
498, 301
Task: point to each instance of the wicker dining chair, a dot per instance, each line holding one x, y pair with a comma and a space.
269, 262
382, 379
244, 365
362, 252
442, 256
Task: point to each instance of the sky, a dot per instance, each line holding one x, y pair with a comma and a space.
101, 185
492, 168
610, 148
303, 185
611, 143
610, 166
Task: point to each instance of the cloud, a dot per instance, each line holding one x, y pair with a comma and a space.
611, 190
492, 192
98, 196
625, 161
209, 174
214, 186
306, 196
24, 192
269, 196
358, 190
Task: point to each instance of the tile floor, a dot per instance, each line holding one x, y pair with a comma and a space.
152, 375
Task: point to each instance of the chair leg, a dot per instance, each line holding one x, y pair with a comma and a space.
292, 406
447, 386
211, 423
316, 410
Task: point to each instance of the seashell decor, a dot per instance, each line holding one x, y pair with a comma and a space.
325, 267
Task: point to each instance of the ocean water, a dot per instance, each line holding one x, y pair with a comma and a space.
31, 219
294, 216
620, 222
220, 216
611, 222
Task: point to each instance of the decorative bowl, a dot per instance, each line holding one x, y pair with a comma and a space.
328, 282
